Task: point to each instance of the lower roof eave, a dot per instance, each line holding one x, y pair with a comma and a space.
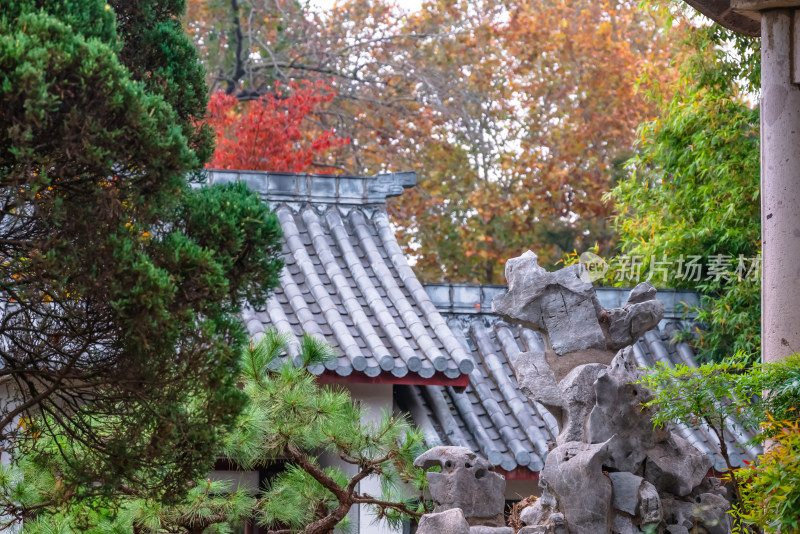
458, 383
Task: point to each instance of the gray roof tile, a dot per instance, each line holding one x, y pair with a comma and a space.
346, 279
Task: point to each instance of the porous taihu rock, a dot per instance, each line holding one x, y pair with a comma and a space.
618, 414
629, 323
675, 466
611, 471
447, 522
467, 482
559, 304
563, 306
573, 474
538, 382
578, 400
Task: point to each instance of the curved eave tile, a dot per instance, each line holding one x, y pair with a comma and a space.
342, 283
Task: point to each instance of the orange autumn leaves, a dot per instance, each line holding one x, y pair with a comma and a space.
517, 115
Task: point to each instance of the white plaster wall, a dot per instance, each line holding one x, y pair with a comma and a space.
237, 479
6, 403
376, 398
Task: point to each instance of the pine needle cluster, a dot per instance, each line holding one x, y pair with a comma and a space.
290, 420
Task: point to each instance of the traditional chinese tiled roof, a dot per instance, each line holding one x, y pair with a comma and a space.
492, 416
347, 281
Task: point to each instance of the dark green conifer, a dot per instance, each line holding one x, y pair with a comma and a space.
120, 284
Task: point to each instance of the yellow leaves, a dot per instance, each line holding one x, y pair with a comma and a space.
28, 426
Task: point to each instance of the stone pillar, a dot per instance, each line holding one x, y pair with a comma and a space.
780, 182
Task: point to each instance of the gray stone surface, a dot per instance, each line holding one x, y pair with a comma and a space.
627, 324
641, 293
467, 482
558, 523
541, 510
650, 510
677, 529
618, 414
677, 512
623, 525
447, 522
543, 519
480, 529
533, 514
711, 510
707, 510
626, 491
538, 382
559, 304
675, 466
573, 475
710, 485
578, 398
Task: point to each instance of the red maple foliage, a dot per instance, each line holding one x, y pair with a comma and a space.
269, 134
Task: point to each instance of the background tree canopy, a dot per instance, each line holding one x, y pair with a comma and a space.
517, 115
520, 117
693, 191
120, 284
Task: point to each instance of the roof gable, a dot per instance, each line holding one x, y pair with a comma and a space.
347, 281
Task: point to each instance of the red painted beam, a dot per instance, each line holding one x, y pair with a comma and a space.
523, 473
518, 473
411, 379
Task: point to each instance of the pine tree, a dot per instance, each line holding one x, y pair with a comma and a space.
290, 418
120, 283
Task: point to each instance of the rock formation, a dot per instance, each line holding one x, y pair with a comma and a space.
611, 471
468, 495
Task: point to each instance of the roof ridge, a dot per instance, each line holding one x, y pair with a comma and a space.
319, 188
476, 299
